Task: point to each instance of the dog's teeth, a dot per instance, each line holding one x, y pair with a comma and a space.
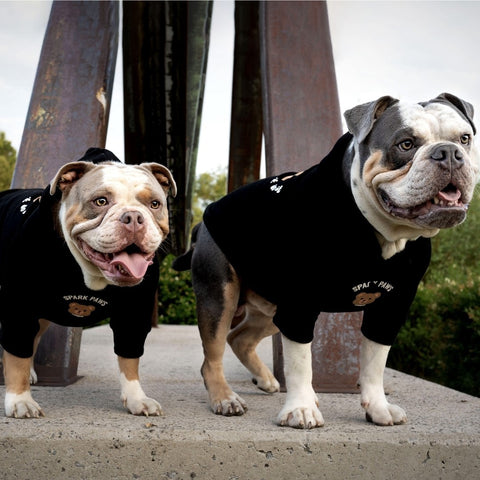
436, 200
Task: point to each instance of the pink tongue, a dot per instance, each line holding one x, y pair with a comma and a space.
450, 196
135, 263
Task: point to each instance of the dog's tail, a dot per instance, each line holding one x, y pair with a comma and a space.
184, 262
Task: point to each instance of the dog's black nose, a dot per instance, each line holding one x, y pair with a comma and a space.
448, 154
133, 220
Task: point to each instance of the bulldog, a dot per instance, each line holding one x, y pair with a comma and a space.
81, 251
351, 233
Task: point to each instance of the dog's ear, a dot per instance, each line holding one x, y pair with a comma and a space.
360, 119
164, 177
465, 108
68, 175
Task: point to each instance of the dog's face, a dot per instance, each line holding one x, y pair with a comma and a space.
113, 217
415, 166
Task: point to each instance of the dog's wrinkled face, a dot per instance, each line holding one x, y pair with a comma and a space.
113, 217
415, 166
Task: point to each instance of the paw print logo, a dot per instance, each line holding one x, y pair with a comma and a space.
26, 203
274, 187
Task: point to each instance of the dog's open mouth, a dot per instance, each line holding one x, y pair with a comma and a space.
126, 266
447, 203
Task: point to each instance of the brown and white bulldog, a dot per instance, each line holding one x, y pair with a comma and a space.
89, 240
351, 233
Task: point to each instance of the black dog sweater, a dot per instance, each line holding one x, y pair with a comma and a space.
301, 242
39, 278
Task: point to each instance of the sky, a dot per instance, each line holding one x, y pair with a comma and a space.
411, 50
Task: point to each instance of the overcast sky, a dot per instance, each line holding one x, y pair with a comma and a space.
411, 50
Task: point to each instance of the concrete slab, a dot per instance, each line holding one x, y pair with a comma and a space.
87, 434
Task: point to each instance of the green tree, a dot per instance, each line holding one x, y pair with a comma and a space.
8, 157
209, 186
176, 300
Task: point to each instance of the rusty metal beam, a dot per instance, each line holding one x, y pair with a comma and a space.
246, 127
143, 46
301, 108
301, 123
71, 95
68, 113
165, 50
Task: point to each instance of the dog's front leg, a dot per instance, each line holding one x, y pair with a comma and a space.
133, 396
301, 405
18, 399
373, 358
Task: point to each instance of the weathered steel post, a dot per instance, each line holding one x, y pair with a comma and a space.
301, 123
246, 127
165, 51
68, 113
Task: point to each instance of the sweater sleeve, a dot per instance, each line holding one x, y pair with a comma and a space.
132, 313
383, 320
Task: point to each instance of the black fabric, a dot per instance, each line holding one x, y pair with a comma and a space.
39, 278
98, 155
302, 243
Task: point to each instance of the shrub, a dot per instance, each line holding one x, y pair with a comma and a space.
176, 300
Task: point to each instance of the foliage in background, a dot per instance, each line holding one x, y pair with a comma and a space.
8, 157
176, 301
208, 187
176, 297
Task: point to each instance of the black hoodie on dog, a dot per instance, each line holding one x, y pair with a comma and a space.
39, 278
301, 242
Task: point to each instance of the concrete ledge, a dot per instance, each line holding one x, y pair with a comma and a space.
86, 434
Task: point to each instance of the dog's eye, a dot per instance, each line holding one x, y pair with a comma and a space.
465, 139
100, 202
155, 204
406, 145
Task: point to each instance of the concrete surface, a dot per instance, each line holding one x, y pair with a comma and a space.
87, 434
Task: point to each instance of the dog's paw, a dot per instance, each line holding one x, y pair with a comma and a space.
142, 406
135, 400
384, 414
230, 406
269, 385
22, 406
301, 417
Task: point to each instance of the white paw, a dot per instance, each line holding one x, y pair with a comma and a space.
135, 400
269, 385
142, 406
301, 411
22, 406
232, 405
384, 413
300, 417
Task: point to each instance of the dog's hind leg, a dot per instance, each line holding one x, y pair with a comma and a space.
217, 289
245, 337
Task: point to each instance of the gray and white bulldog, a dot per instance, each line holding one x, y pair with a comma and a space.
78, 252
350, 233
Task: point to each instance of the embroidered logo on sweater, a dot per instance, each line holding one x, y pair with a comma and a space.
364, 294
79, 310
365, 298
